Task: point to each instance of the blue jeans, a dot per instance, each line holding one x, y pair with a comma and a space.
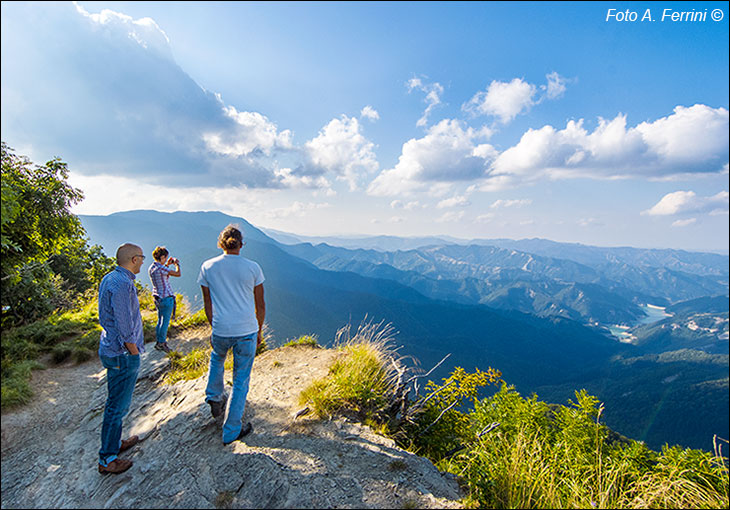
164, 312
244, 350
121, 376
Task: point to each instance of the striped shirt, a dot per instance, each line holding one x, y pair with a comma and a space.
159, 274
119, 314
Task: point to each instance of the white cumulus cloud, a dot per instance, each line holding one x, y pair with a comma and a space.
555, 87
406, 206
691, 140
507, 100
341, 148
684, 223
455, 201
504, 100
144, 31
451, 217
252, 131
448, 152
683, 202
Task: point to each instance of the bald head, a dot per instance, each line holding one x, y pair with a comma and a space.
130, 256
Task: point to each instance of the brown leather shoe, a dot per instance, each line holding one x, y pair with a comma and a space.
115, 467
128, 443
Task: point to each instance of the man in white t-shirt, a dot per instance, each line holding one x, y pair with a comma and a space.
233, 296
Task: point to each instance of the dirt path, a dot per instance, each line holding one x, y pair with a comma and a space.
49, 446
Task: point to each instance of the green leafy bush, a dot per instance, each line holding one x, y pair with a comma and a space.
441, 423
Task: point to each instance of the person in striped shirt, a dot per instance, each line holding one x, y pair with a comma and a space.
160, 273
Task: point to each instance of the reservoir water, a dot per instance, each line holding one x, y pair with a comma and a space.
653, 314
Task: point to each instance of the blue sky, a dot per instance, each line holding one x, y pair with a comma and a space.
475, 120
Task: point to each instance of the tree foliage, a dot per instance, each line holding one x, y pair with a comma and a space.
46, 260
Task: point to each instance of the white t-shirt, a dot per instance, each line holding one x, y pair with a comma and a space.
231, 279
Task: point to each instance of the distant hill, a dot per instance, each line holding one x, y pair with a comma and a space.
608, 293
707, 304
379, 243
700, 263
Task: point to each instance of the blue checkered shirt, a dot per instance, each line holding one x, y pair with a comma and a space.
119, 313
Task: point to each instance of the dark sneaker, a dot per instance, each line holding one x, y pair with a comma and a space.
245, 430
218, 409
115, 467
128, 443
162, 347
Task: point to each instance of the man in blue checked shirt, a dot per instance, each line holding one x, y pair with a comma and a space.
121, 342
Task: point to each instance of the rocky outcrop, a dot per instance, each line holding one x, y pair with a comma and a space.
181, 462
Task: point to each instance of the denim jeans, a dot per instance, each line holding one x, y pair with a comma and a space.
121, 376
244, 350
164, 312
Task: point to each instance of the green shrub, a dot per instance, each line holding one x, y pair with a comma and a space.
441, 423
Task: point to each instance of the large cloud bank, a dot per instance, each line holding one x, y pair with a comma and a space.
116, 103
691, 140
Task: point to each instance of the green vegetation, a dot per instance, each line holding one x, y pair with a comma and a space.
361, 381
69, 334
516, 452
540, 456
47, 264
308, 340
16, 389
190, 366
49, 273
195, 363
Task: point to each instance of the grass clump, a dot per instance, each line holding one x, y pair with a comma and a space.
190, 320
308, 340
16, 388
190, 366
361, 380
397, 465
